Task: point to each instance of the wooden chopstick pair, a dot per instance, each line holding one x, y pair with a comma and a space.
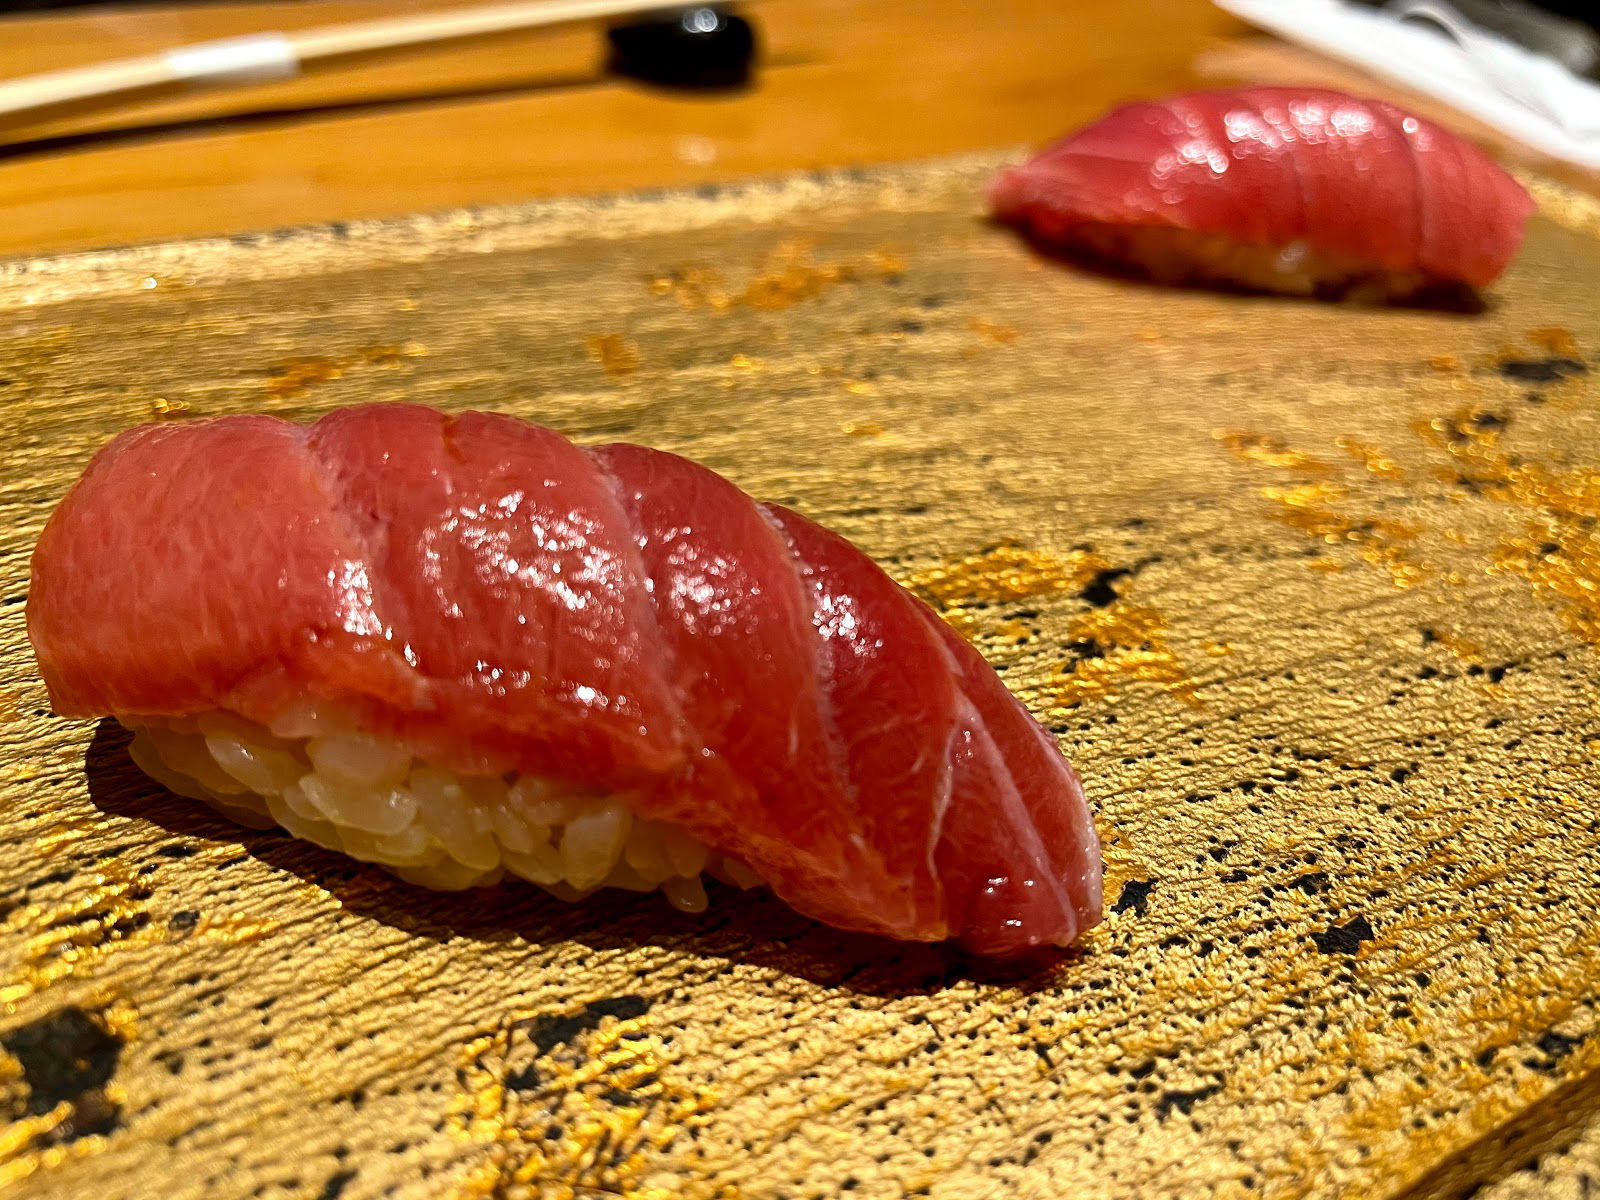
267, 56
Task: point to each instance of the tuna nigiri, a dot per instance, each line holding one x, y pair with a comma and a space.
464, 647
1295, 190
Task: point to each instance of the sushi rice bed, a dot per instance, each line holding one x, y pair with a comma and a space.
373, 800
1185, 257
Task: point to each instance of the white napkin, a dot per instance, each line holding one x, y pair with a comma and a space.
1526, 96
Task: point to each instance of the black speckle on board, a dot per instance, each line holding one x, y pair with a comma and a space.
1135, 895
1555, 1047
549, 1031
524, 1079
1083, 650
1542, 370
1099, 590
1184, 1101
335, 1184
66, 1057
1344, 939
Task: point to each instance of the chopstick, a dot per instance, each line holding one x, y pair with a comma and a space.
263, 57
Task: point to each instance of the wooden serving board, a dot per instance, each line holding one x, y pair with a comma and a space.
1311, 595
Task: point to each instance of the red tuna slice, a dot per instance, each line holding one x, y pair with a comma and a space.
736, 623
618, 619
1010, 847
503, 570
191, 560
1357, 179
949, 762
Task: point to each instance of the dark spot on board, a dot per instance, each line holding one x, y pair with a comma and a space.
524, 1079
1099, 590
1344, 939
1542, 370
1085, 649
1312, 883
623, 1099
1556, 1046
1184, 1101
335, 1184
183, 921
908, 325
549, 1031
176, 850
1488, 420
1135, 895
67, 1057
1486, 1056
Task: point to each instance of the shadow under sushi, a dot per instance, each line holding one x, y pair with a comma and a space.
752, 928
1451, 299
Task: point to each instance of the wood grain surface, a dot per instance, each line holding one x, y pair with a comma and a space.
1306, 591
843, 83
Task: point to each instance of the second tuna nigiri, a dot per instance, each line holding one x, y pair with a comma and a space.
1296, 190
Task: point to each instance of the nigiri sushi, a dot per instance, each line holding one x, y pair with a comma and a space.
465, 647
1301, 191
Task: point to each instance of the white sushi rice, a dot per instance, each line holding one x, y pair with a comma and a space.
1184, 257
373, 800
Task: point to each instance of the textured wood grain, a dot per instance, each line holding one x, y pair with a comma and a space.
1308, 593
843, 83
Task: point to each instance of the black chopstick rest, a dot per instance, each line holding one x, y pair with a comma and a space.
700, 47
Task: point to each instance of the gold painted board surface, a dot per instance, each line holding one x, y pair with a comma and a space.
1310, 594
